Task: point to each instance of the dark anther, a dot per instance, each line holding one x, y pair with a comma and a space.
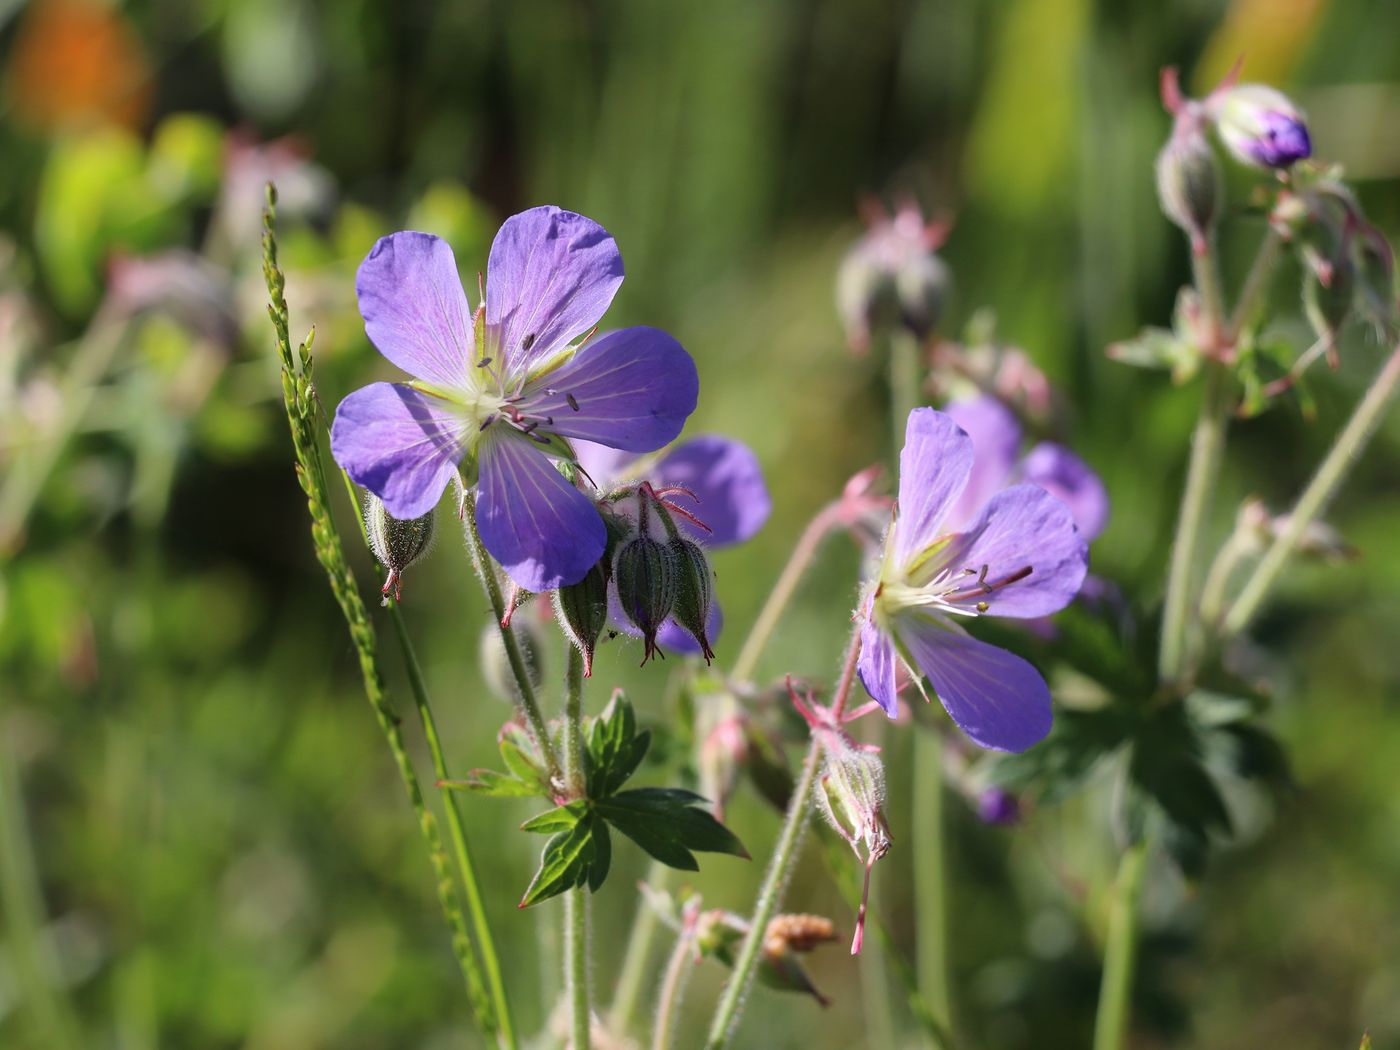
530, 426
573, 401
483, 362
528, 342
488, 421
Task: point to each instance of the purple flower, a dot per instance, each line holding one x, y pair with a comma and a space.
716, 479
1020, 555
996, 442
503, 388
1259, 125
997, 806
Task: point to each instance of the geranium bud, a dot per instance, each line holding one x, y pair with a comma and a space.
921, 287
1188, 180
1260, 126
694, 590
495, 664
582, 611
644, 573
892, 277
396, 543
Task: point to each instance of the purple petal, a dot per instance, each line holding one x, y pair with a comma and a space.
543, 531
605, 466
633, 390
995, 697
1024, 527
415, 311
1072, 481
934, 466
401, 445
878, 667
996, 440
550, 278
724, 474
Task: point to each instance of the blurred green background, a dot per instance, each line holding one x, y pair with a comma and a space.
219, 854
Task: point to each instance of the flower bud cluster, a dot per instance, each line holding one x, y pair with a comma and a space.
893, 278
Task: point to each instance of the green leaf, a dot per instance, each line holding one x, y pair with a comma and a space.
565, 863
1156, 348
667, 824
559, 819
615, 748
492, 784
520, 765
602, 855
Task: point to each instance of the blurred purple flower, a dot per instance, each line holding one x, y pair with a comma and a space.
1259, 125
1020, 556
717, 479
996, 806
996, 441
506, 387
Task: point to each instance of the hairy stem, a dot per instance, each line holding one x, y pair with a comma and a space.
575, 901
1319, 492
930, 864
1120, 950
486, 944
678, 970
1256, 282
526, 700
779, 869
635, 969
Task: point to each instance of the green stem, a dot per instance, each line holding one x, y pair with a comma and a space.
36, 966
1222, 570
528, 704
904, 385
1319, 492
635, 961
1115, 991
779, 869
486, 944
678, 970
1255, 283
930, 862
576, 901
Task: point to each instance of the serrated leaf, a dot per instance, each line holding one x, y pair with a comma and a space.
561, 818
667, 824
492, 784
602, 855
615, 748
519, 764
564, 864
1078, 744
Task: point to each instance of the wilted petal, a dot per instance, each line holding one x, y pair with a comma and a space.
1023, 527
724, 474
401, 445
995, 697
551, 276
415, 311
934, 466
1072, 481
996, 439
631, 390
544, 532
878, 667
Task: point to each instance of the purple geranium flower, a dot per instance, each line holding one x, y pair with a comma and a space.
716, 479
505, 387
997, 462
1019, 556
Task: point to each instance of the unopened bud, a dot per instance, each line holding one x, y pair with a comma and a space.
582, 611
495, 663
1188, 179
852, 797
893, 277
695, 590
644, 573
1260, 126
396, 543
996, 806
921, 287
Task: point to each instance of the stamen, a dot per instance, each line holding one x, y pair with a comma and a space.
484, 362
983, 586
528, 341
573, 401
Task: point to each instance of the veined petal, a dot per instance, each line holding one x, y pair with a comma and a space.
995, 697
400, 444
544, 532
631, 390
731, 497
878, 667
1023, 527
415, 311
551, 276
602, 464
996, 439
934, 466
1072, 481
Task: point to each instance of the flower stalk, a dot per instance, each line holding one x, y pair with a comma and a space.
1120, 951
575, 901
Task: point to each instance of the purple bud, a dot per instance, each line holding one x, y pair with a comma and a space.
1260, 126
644, 572
995, 806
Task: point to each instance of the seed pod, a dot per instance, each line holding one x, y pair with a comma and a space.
644, 573
582, 611
1188, 180
495, 664
396, 543
695, 590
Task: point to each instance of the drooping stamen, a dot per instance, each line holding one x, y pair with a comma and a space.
983, 586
